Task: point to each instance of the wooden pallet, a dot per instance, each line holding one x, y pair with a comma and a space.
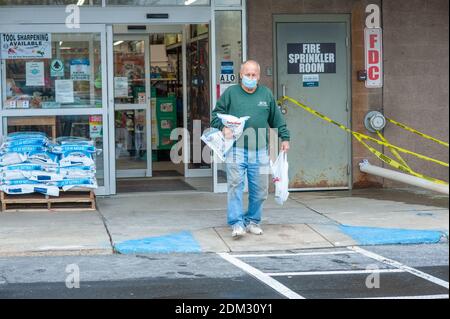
67, 201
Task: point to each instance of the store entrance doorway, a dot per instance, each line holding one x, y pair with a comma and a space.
161, 84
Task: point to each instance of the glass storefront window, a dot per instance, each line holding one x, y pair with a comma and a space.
158, 2
86, 126
49, 2
71, 78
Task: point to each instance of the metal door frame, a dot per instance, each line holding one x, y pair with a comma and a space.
320, 18
193, 172
223, 187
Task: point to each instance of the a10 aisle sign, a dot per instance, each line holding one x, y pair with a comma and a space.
227, 72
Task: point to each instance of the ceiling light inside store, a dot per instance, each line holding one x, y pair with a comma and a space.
80, 2
118, 42
189, 2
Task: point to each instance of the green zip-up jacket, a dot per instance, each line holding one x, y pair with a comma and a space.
262, 109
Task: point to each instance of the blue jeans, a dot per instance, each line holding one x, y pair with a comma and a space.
256, 165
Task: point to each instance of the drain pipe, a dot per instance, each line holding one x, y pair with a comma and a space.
366, 167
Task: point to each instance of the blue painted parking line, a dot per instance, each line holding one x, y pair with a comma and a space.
183, 242
385, 236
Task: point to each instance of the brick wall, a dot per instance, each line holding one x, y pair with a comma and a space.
416, 77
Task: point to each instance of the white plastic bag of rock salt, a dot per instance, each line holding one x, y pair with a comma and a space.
31, 188
76, 159
43, 177
12, 158
215, 139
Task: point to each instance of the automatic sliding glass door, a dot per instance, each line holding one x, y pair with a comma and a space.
198, 104
131, 107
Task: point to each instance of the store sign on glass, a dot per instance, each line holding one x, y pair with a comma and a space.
227, 72
95, 126
79, 70
26, 45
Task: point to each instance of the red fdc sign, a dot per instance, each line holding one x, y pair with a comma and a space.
374, 57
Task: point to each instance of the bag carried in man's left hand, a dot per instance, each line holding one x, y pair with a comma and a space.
280, 177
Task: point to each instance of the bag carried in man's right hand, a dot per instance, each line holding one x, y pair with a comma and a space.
217, 141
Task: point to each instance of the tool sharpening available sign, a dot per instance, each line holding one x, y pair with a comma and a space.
26, 45
304, 58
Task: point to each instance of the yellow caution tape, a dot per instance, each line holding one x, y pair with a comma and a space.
393, 151
386, 159
407, 128
362, 136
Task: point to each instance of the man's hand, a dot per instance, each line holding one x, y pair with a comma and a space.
228, 133
285, 146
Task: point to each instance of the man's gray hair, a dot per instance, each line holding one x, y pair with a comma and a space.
251, 62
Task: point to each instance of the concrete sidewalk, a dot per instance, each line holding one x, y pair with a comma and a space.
196, 222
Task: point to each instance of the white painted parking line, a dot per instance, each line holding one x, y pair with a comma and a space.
411, 297
399, 265
277, 286
346, 252
337, 272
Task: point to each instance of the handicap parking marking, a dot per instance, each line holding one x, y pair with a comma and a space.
268, 277
401, 266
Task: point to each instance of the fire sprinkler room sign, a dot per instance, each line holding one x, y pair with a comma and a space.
304, 58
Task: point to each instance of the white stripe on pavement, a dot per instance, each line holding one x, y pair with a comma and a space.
277, 286
399, 265
296, 254
337, 272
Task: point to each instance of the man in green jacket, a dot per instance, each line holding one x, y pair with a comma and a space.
249, 155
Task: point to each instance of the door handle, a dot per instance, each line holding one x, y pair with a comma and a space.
283, 107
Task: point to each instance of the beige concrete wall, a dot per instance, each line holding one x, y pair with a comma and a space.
416, 77
260, 47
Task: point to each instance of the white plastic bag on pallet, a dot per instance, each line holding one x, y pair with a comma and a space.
12, 158
280, 178
31, 188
